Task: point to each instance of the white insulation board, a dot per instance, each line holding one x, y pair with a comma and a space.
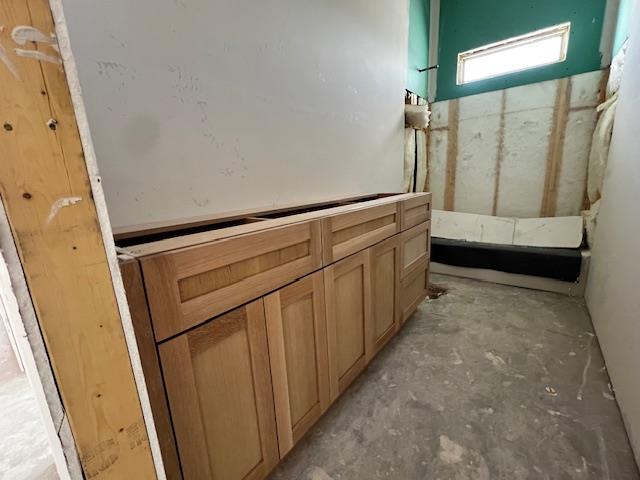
560, 232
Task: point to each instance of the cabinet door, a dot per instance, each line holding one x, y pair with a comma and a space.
219, 388
414, 289
297, 334
349, 326
415, 248
385, 286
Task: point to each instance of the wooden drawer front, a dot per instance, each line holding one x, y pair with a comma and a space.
349, 329
415, 210
415, 247
414, 289
348, 233
297, 333
385, 286
219, 389
191, 285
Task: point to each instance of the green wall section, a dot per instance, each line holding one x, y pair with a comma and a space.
418, 46
623, 25
467, 24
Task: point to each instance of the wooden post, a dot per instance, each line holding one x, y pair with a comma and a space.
45, 188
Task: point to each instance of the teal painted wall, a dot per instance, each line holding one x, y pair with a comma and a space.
418, 46
467, 24
623, 24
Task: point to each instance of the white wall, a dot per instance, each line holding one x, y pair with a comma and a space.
203, 106
523, 140
613, 291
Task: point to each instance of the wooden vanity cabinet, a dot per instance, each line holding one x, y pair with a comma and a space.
218, 383
349, 322
297, 333
385, 288
250, 332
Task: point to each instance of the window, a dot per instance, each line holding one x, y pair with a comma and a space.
542, 47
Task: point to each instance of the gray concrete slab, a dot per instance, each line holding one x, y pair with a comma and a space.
486, 382
25, 453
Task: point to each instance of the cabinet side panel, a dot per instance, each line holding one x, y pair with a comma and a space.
132, 279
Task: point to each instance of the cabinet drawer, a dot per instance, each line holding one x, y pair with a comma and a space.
188, 286
414, 288
348, 233
415, 247
415, 210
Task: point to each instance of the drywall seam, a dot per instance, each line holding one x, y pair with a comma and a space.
434, 36
452, 155
500, 152
608, 31
556, 146
75, 90
36, 342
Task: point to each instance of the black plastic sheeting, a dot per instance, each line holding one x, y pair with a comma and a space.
556, 263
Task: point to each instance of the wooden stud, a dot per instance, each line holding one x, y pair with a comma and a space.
500, 152
556, 148
46, 192
452, 155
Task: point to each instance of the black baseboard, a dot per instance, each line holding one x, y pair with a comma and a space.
556, 263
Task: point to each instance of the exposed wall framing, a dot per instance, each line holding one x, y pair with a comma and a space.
518, 152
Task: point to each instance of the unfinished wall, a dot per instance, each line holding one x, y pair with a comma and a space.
418, 47
612, 291
199, 107
518, 152
467, 24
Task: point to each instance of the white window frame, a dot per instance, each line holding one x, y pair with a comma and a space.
562, 30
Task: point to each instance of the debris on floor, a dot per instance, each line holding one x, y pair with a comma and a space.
478, 393
436, 291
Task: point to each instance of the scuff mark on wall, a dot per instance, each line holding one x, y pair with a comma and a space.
37, 55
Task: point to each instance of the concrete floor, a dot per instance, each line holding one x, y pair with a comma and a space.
486, 382
25, 453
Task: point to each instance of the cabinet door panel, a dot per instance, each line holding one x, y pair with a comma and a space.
415, 248
385, 285
414, 289
219, 388
349, 325
298, 354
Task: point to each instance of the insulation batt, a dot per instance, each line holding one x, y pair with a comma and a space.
416, 116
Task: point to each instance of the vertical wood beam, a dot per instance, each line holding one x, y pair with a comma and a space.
45, 188
452, 155
556, 148
499, 153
